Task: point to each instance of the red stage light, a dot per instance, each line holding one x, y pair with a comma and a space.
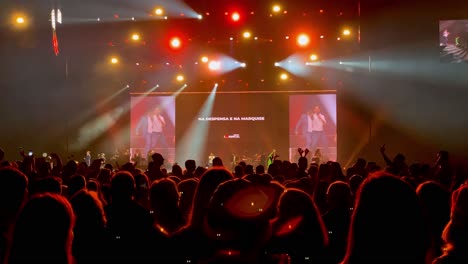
235, 16
175, 43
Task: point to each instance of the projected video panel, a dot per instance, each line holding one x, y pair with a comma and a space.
312, 126
235, 126
152, 126
453, 41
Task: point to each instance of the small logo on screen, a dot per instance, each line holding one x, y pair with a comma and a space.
232, 136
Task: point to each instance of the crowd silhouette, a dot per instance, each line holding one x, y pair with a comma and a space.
304, 212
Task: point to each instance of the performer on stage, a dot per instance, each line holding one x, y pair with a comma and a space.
210, 159
272, 157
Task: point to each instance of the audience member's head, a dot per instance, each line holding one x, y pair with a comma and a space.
218, 162
13, 190
122, 187
43, 231
339, 196
205, 189
77, 182
387, 224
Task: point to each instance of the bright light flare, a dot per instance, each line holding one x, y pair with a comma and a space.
204, 59
158, 11
276, 8
313, 57
235, 16
284, 76
180, 78
175, 43
214, 65
20, 20
114, 60
135, 37
247, 34
303, 40
346, 32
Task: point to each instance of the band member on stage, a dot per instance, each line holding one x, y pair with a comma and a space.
272, 157
210, 159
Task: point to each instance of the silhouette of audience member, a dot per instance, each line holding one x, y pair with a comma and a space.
154, 167
436, 204
13, 192
387, 225
47, 184
190, 166
90, 236
359, 167
298, 230
354, 183
177, 171
77, 183
164, 200
443, 171
190, 242
187, 190
455, 233
218, 162
238, 171
338, 218
43, 231
238, 220
397, 166
142, 190
260, 169
129, 223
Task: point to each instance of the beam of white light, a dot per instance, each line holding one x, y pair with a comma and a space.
295, 64
92, 130
193, 143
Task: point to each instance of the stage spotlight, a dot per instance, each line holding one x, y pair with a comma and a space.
135, 37
114, 60
276, 8
243, 64
200, 17
235, 16
159, 11
180, 78
214, 65
313, 57
303, 40
204, 59
175, 43
346, 32
341, 62
20, 20
277, 64
284, 76
246, 34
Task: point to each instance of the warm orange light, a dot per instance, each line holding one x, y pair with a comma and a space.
313, 57
276, 8
346, 32
204, 59
180, 78
284, 76
247, 34
114, 60
20, 20
135, 37
303, 40
159, 11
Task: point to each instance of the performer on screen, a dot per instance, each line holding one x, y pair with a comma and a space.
313, 123
151, 126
